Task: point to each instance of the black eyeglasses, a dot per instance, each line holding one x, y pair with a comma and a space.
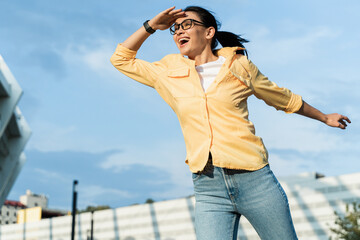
185, 25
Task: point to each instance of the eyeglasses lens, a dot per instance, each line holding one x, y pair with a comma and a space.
185, 25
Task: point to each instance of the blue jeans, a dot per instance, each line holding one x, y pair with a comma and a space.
223, 195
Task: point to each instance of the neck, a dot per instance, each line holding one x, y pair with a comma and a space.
205, 56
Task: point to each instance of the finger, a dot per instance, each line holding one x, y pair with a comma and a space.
341, 126
176, 11
343, 122
180, 14
169, 9
346, 118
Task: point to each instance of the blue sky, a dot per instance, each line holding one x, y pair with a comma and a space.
118, 137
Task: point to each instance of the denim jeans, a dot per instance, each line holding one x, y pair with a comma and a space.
223, 195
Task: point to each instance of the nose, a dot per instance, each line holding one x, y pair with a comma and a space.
179, 31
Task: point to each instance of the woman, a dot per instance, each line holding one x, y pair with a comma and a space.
208, 90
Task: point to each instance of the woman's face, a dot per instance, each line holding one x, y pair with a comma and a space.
191, 42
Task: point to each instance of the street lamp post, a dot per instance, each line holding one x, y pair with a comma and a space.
73, 213
92, 226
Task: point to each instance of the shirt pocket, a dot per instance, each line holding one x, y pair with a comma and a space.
180, 83
232, 90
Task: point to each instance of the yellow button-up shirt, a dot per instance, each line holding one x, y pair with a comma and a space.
214, 121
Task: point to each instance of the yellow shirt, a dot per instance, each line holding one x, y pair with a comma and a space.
215, 121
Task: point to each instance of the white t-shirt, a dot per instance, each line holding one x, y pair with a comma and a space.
208, 72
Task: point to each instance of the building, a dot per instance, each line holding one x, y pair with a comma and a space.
31, 200
8, 212
313, 199
35, 214
31, 208
14, 131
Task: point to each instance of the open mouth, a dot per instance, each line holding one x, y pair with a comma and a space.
183, 41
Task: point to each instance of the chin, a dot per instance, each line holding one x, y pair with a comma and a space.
184, 51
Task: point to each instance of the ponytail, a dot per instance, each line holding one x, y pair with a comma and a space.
228, 39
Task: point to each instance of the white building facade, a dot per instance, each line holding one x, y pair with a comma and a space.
31, 200
14, 131
312, 202
8, 212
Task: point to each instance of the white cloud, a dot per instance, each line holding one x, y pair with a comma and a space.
302, 135
284, 50
94, 56
99, 58
157, 154
91, 192
168, 156
94, 195
290, 165
50, 176
49, 136
295, 132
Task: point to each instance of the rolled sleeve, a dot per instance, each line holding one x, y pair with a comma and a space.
279, 97
295, 103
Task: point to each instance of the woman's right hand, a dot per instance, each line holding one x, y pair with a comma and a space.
162, 21
166, 18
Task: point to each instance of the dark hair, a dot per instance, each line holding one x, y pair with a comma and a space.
226, 39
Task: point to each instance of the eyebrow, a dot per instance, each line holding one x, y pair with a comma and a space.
184, 20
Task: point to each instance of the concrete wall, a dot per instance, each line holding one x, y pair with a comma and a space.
312, 202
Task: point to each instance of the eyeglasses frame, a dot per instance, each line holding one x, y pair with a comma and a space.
193, 23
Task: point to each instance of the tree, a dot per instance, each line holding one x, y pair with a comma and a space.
348, 226
149, 200
94, 208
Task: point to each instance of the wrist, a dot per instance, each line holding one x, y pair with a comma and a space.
324, 118
153, 25
148, 27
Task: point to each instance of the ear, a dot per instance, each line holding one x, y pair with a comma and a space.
210, 32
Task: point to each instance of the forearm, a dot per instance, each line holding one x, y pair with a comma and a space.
135, 41
311, 112
332, 120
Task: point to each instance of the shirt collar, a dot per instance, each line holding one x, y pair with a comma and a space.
227, 51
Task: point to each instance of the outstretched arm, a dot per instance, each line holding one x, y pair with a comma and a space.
332, 120
162, 21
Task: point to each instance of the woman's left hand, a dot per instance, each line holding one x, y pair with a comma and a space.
337, 120
332, 120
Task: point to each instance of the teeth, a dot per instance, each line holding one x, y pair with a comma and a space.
183, 39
